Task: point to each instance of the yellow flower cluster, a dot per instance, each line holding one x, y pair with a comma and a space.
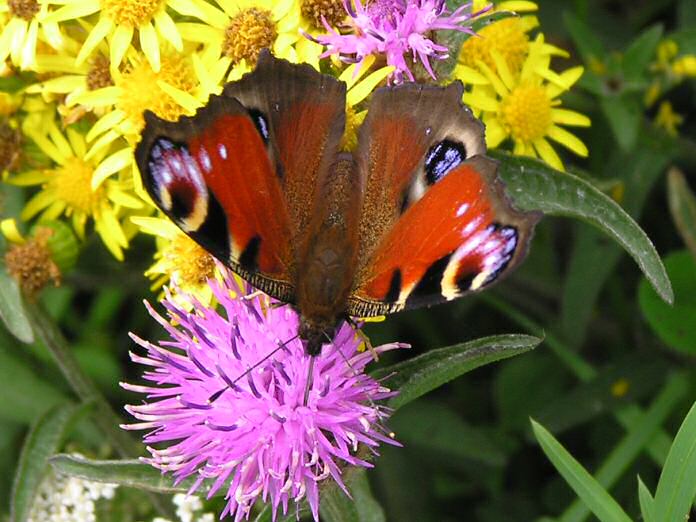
513, 89
86, 70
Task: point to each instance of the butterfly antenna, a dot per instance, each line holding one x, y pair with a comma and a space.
231, 384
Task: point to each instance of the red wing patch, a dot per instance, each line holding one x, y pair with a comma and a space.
459, 237
211, 174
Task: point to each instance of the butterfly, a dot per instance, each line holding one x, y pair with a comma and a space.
414, 216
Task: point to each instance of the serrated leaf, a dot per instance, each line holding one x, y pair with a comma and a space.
533, 185
585, 486
12, 309
682, 206
641, 51
44, 439
647, 502
676, 489
674, 325
419, 375
126, 472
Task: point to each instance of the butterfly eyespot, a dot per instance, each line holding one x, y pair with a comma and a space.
441, 158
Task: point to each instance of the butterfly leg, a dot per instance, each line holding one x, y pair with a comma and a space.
363, 337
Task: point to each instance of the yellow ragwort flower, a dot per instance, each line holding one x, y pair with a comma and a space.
24, 23
119, 20
525, 106
238, 31
179, 260
66, 189
668, 119
508, 36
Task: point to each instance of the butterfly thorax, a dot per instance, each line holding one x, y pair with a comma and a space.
327, 259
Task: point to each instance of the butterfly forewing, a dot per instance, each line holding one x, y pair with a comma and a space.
304, 113
212, 176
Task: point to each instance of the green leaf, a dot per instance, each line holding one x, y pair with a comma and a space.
682, 206
647, 503
586, 41
585, 486
624, 115
675, 325
12, 309
126, 472
336, 506
677, 488
533, 185
419, 375
44, 439
640, 53
636, 439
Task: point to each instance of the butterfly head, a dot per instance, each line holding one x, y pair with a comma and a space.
315, 335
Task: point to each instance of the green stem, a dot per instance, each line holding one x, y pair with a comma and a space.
105, 417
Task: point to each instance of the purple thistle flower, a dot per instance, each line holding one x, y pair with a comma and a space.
221, 408
396, 28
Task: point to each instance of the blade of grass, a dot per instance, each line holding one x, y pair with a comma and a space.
585, 486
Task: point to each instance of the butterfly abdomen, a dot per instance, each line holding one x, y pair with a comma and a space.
327, 259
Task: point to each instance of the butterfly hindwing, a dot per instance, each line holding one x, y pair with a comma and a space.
211, 174
445, 226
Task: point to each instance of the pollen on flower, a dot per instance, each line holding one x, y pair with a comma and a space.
31, 263
250, 31
191, 263
10, 148
332, 11
506, 37
71, 183
132, 13
135, 99
25, 9
99, 75
526, 112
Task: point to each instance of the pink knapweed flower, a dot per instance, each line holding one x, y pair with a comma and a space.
395, 28
226, 402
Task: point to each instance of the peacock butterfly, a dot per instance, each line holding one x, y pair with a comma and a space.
413, 217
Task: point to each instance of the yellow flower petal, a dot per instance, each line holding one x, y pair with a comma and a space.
150, 45
546, 152
106, 122
28, 178
36, 204
119, 45
477, 99
468, 75
349, 75
74, 10
28, 57
362, 89
99, 145
117, 161
60, 85
122, 198
10, 231
96, 35
97, 98
568, 140
77, 142
187, 101
156, 226
167, 29
568, 117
